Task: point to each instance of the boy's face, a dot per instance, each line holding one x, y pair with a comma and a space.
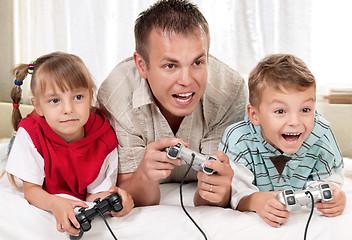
286, 117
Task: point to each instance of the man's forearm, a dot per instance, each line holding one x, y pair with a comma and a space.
143, 191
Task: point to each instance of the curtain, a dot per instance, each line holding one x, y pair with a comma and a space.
101, 31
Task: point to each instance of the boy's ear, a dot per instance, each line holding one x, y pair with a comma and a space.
252, 114
141, 65
36, 106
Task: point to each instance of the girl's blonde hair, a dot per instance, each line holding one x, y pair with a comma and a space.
63, 70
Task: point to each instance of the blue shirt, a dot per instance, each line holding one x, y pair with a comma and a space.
317, 158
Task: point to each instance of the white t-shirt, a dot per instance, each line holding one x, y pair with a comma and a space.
27, 164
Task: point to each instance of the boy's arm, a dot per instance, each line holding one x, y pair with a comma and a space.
337, 178
61, 208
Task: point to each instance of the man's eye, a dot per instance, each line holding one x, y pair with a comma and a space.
197, 63
54, 100
170, 66
279, 111
78, 97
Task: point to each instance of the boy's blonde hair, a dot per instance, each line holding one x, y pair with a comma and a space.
278, 71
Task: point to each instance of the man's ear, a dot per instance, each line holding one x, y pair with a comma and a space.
252, 114
36, 106
141, 65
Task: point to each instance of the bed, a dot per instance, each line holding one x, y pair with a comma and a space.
20, 220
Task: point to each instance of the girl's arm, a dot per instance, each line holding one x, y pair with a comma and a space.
61, 208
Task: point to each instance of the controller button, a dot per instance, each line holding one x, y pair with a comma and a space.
327, 194
291, 200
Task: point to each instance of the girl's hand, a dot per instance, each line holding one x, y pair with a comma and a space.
62, 210
127, 201
334, 207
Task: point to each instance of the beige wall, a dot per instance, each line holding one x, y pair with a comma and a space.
339, 116
6, 49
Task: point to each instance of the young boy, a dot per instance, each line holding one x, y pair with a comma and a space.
283, 141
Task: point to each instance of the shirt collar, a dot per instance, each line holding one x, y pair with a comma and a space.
142, 95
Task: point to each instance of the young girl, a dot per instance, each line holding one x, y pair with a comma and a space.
64, 146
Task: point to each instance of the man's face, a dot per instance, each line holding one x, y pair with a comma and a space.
177, 72
286, 117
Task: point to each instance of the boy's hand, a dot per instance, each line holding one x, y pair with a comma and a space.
62, 210
267, 207
334, 207
127, 201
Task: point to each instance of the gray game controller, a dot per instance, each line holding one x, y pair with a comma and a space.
293, 200
185, 154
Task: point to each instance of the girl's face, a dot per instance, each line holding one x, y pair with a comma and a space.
65, 112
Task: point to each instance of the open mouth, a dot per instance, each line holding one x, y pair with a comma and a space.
183, 97
291, 137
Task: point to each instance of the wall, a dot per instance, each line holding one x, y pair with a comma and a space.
340, 118
6, 49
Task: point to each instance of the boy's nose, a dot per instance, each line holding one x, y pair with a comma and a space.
293, 119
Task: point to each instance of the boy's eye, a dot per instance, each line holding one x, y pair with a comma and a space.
78, 97
279, 111
54, 100
305, 110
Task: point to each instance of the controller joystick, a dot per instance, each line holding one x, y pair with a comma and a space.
85, 216
185, 154
294, 200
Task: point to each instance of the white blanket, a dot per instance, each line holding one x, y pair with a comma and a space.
20, 220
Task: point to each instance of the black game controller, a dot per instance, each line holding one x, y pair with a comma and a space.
294, 200
85, 216
185, 154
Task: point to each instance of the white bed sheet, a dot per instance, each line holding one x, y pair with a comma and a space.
20, 220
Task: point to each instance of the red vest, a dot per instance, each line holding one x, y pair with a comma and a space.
70, 167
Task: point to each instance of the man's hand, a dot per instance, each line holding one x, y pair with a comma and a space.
215, 189
155, 164
143, 184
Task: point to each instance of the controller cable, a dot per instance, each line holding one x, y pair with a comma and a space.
106, 223
181, 197
310, 215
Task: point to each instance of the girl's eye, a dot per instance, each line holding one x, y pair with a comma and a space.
78, 97
54, 100
305, 110
279, 111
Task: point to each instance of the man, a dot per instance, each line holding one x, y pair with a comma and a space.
166, 94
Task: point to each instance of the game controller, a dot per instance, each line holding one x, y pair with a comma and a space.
85, 216
185, 154
293, 200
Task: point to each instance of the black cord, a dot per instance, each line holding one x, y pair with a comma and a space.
181, 197
310, 215
106, 223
